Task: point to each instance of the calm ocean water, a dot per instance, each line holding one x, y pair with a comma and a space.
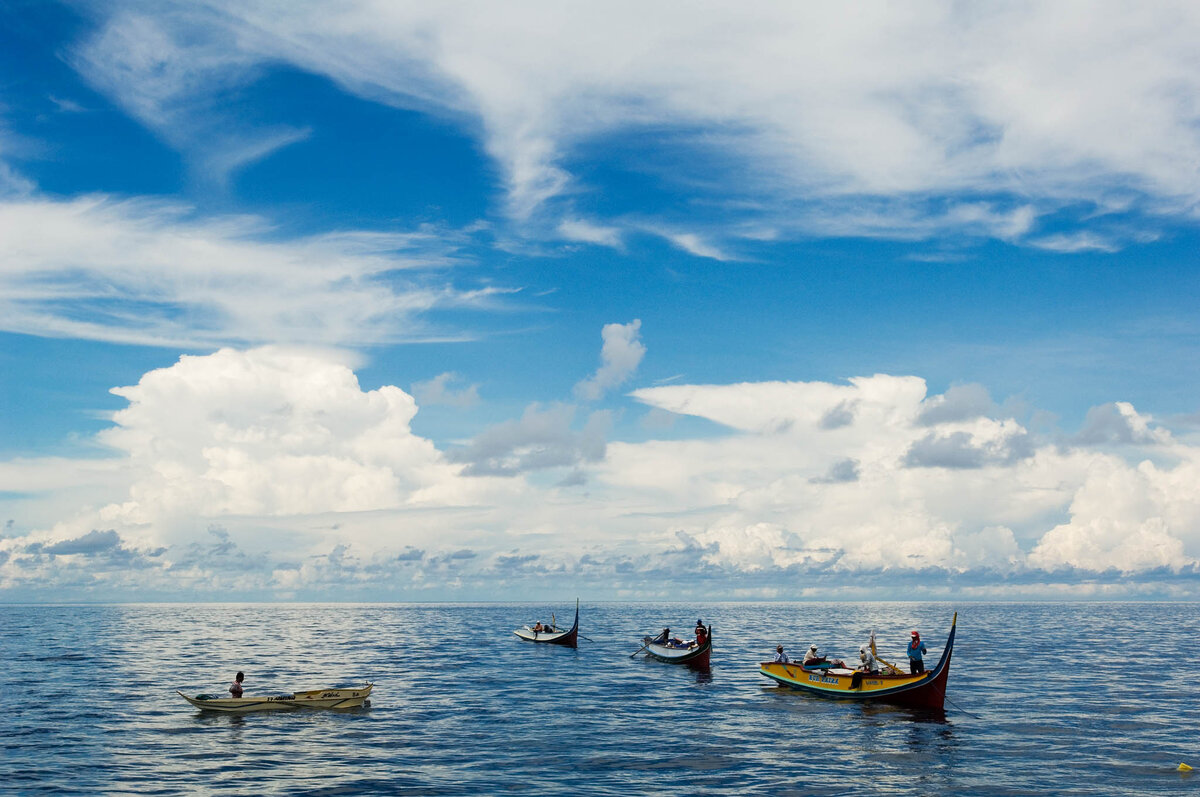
1054, 699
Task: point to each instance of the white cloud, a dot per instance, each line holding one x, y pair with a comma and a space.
1075, 242
271, 471
959, 403
542, 438
266, 432
1127, 519
438, 391
620, 356
151, 272
780, 466
588, 232
806, 107
1120, 423
180, 80
693, 244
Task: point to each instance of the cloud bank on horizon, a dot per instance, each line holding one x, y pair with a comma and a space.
270, 472
606, 139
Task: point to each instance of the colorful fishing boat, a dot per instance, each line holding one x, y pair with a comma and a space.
553, 635
694, 654
353, 697
923, 690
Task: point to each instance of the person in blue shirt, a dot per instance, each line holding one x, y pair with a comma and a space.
916, 654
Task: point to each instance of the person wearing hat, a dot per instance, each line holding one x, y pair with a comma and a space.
916, 654
780, 656
701, 633
815, 661
868, 666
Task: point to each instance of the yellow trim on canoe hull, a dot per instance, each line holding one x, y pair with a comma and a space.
837, 685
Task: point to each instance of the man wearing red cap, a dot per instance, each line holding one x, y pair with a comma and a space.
916, 654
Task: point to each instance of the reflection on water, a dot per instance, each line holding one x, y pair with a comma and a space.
98, 712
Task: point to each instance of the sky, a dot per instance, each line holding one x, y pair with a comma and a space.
477, 301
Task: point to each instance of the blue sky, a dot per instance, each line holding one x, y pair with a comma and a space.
463, 301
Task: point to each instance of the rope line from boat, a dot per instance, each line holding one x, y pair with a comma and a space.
945, 697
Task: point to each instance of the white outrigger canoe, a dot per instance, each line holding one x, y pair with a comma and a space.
353, 697
553, 635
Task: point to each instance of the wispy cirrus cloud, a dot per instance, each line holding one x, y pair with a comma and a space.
152, 272
950, 117
181, 80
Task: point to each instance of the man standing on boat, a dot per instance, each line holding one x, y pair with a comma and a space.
916, 654
701, 633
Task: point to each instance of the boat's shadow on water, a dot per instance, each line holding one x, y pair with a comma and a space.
232, 719
881, 712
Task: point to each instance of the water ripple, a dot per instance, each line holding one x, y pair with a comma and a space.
463, 707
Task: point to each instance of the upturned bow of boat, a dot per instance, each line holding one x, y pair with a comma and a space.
696, 656
570, 637
923, 690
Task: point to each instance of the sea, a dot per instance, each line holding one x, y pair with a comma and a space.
1045, 698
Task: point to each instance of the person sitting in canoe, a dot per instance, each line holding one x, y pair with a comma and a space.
538, 627
780, 656
235, 688
666, 640
815, 661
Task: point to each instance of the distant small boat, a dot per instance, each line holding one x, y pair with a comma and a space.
924, 690
553, 635
691, 654
313, 698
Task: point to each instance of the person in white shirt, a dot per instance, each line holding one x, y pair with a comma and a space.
868, 661
780, 656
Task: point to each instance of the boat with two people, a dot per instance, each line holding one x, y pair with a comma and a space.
550, 633
886, 684
338, 697
693, 652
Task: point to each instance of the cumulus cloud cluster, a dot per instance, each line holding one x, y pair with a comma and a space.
271, 472
865, 119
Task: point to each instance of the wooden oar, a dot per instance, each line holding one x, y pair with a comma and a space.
639, 650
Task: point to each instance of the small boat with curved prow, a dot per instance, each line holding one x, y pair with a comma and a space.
695, 653
923, 690
354, 697
553, 635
